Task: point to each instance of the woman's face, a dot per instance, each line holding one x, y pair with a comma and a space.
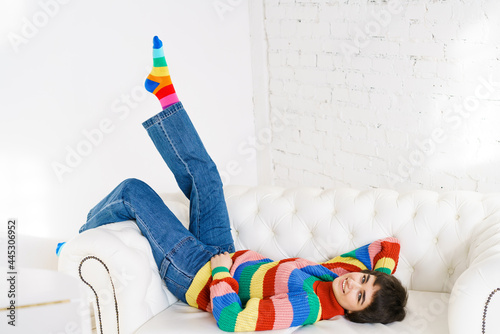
354, 291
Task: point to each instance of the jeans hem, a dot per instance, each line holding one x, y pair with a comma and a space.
167, 112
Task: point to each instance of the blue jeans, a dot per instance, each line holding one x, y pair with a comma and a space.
178, 252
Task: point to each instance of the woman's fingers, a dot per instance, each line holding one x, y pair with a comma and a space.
221, 260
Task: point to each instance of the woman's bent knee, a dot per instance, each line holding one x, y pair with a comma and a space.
135, 184
135, 189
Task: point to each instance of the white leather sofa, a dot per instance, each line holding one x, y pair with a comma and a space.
450, 256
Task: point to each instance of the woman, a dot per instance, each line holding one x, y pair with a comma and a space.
244, 290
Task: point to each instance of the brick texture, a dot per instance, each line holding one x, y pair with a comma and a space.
392, 94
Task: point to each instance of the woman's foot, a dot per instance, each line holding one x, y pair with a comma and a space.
158, 81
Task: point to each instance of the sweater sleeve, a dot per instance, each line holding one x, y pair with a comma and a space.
381, 255
281, 311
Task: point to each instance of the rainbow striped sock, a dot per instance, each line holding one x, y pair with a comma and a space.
158, 81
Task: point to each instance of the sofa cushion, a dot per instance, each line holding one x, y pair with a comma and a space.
427, 313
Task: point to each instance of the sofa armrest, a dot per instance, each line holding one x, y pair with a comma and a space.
471, 290
116, 261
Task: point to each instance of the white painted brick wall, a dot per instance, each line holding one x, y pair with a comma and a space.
394, 94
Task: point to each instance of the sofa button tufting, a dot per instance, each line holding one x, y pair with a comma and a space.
418, 216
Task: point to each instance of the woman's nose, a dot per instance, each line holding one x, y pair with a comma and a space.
353, 284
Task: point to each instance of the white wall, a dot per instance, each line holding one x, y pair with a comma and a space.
395, 94
74, 67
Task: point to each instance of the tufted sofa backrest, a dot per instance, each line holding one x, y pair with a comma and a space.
439, 233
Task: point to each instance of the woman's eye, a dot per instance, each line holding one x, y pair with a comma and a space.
363, 279
359, 296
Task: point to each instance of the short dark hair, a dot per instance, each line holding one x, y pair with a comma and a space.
388, 303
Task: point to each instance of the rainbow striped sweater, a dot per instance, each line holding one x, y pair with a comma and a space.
261, 294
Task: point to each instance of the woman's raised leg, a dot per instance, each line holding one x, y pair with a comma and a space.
179, 144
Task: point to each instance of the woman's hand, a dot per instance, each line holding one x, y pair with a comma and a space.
221, 260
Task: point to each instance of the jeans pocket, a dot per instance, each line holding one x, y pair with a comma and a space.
226, 248
189, 255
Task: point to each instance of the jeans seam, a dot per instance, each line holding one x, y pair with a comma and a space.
188, 238
176, 248
165, 113
107, 205
178, 286
138, 219
180, 244
174, 283
192, 178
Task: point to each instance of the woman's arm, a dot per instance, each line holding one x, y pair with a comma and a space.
381, 255
282, 311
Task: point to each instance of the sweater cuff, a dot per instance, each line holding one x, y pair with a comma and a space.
220, 272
